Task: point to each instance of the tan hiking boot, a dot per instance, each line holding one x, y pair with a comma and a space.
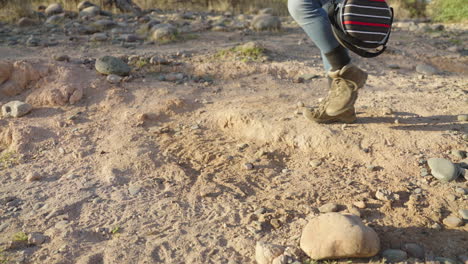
320, 116
344, 89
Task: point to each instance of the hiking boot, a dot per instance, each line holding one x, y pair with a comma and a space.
319, 115
344, 89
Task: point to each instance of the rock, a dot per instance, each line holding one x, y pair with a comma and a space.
354, 211
460, 154
463, 214
443, 169
134, 189
114, 79
131, 38
53, 9
164, 33
315, 163
112, 65
463, 164
461, 190
33, 41
385, 195
265, 253
61, 57
6, 69
463, 259
333, 235
26, 22
266, 22
249, 166
85, 4
36, 239
99, 37
394, 255
33, 176
445, 260
15, 244
462, 118
426, 69
360, 204
266, 11
414, 250
453, 221
16, 109
451, 197
55, 19
104, 24
91, 11
173, 77
328, 208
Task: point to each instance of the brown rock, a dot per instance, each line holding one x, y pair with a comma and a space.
5, 71
334, 236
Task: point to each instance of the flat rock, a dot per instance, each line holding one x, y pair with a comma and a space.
443, 169
265, 253
134, 189
335, 236
426, 69
453, 221
414, 250
394, 255
112, 65
16, 109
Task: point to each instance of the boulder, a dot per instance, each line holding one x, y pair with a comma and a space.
335, 236
16, 109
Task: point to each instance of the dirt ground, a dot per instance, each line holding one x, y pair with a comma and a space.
150, 171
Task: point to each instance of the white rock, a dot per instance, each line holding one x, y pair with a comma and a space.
265, 253
16, 109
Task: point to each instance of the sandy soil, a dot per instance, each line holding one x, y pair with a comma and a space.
154, 172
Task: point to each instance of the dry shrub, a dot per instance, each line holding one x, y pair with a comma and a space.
12, 10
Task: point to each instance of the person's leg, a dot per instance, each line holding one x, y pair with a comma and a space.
313, 19
346, 78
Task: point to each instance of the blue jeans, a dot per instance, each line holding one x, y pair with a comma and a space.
313, 19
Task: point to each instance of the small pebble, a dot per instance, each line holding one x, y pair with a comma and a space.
461, 190
451, 197
360, 204
114, 79
424, 172
33, 176
249, 166
315, 163
134, 189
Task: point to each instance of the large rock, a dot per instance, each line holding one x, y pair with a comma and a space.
334, 236
112, 65
5, 71
266, 22
443, 169
265, 253
54, 9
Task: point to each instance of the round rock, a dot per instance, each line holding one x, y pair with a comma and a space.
394, 255
334, 235
463, 213
426, 69
266, 22
453, 221
112, 65
414, 250
328, 208
54, 9
443, 169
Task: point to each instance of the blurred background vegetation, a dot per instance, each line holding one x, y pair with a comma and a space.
436, 10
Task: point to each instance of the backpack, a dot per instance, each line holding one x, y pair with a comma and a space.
362, 26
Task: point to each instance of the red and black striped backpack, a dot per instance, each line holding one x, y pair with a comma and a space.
362, 26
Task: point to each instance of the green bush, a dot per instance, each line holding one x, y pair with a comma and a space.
448, 10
